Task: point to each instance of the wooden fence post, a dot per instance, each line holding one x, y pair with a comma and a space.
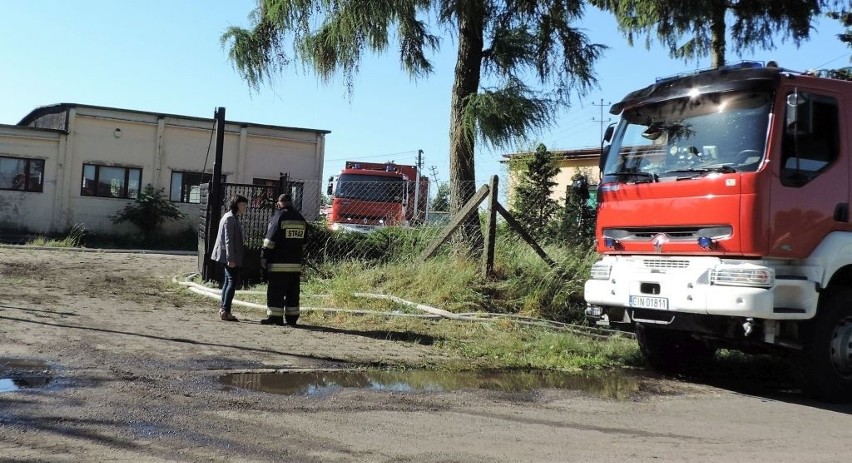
490, 231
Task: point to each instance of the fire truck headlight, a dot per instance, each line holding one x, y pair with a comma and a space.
742, 275
600, 271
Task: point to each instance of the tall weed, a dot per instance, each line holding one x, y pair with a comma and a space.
523, 282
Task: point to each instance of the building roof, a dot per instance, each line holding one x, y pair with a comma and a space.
62, 107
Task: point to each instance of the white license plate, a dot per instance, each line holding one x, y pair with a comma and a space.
647, 302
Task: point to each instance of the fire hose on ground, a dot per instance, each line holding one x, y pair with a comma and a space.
432, 313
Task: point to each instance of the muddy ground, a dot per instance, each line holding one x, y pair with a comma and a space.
133, 377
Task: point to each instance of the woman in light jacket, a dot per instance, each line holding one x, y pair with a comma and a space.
228, 251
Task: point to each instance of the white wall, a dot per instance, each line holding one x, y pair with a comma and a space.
24, 210
156, 144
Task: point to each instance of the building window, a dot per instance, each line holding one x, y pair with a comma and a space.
186, 186
111, 181
22, 174
296, 191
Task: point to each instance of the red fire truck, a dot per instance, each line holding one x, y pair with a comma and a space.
723, 220
368, 195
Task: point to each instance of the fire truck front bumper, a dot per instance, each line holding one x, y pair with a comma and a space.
696, 285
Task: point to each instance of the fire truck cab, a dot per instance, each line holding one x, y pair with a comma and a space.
723, 220
366, 196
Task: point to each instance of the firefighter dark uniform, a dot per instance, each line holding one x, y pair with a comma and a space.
282, 251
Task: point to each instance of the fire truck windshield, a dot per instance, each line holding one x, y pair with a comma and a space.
375, 188
689, 137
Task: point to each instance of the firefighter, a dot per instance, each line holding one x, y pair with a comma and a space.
281, 257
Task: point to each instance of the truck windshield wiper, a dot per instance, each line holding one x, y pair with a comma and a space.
703, 170
647, 177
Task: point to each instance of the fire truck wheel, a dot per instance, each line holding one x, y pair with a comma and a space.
826, 362
672, 351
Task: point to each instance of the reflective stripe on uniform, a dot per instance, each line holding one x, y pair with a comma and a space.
291, 311
274, 311
268, 244
284, 267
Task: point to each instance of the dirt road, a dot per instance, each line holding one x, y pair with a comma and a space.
134, 378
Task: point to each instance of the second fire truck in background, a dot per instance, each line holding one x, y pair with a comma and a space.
369, 195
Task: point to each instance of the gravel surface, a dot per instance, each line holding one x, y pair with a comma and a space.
133, 375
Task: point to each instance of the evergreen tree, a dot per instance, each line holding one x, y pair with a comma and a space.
577, 224
703, 23
499, 44
532, 203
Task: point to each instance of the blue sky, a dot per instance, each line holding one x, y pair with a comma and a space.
165, 56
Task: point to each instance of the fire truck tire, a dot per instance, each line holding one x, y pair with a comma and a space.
826, 362
672, 351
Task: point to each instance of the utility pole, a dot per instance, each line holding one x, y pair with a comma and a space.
214, 199
433, 171
419, 213
601, 120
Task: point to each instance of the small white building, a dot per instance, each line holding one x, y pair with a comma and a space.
71, 164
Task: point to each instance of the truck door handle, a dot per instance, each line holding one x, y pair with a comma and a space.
841, 212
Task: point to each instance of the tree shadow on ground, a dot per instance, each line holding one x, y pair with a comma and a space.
766, 377
386, 335
175, 339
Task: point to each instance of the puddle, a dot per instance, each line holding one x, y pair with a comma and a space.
608, 385
17, 374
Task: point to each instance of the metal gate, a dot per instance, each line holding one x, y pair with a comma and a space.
261, 207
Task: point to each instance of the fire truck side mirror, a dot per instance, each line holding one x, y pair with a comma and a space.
608, 134
799, 114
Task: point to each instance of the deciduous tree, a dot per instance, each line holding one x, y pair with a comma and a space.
441, 201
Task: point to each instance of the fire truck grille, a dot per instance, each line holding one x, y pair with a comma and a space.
671, 233
666, 263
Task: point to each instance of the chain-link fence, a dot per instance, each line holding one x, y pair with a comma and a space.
376, 219
360, 219
350, 218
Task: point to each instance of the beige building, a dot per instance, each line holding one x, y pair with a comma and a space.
72, 164
569, 162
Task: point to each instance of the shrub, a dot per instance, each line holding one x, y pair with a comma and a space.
149, 211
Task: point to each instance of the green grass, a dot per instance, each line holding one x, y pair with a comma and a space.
523, 284
77, 236
72, 239
498, 344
